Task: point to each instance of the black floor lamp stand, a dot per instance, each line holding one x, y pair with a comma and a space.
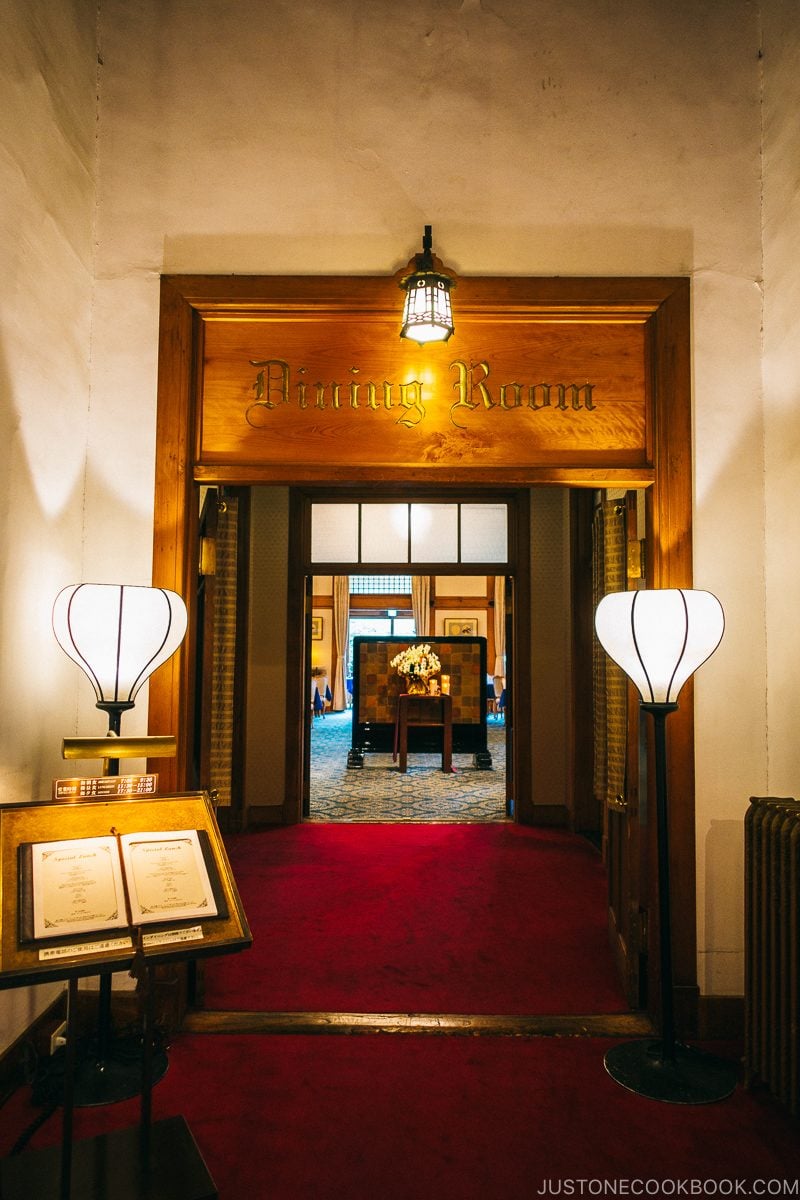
662, 1068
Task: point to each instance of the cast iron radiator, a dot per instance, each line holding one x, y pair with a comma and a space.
772, 931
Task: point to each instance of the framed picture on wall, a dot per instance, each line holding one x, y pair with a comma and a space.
461, 627
316, 629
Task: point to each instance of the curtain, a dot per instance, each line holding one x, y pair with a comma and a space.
499, 631
609, 572
341, 618
421, 603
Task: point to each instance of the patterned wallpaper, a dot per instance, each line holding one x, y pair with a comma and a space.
224, 658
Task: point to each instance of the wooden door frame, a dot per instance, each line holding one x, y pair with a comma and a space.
664, 306
517, 566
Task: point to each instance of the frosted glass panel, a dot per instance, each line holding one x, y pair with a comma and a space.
334, 533
484, 533
384, 533
434, 533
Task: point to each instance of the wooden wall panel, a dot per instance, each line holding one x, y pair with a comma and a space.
451, 411
303, 394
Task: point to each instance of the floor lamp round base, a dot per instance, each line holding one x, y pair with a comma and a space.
117, 1076
690, 1077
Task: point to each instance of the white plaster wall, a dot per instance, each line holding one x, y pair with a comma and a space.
460, 585
47, 138
537, 138
782, 388
720, 842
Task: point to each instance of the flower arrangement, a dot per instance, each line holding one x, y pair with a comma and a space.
417, 664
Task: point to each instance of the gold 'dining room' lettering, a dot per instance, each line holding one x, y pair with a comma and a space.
276, 384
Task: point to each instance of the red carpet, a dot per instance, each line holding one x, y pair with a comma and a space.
435, 1118
419, 918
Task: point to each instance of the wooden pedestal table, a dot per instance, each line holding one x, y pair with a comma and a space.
430, 711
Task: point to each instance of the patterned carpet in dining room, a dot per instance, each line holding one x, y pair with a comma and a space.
378, 792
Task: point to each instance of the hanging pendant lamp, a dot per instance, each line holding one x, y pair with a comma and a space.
427, 312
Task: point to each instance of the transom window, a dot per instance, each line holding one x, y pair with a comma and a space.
394, 532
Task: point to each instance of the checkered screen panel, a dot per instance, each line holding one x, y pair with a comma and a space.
379, 685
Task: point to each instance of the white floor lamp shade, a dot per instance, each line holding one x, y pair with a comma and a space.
118, 635
660, 637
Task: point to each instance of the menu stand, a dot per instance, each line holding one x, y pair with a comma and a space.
155, 1160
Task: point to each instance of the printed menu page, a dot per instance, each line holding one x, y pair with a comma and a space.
77, 887
167, 876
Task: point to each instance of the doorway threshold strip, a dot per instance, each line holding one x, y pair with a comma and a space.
449, 1024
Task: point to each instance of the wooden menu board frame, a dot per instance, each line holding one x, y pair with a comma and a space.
27, 960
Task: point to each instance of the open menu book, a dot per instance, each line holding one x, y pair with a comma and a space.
101, 883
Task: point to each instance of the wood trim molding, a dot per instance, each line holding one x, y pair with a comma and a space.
260, 815
721, 1018
175, 524
617, 1025
669, 565
550, 816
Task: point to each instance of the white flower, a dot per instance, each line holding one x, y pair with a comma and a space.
417, 660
